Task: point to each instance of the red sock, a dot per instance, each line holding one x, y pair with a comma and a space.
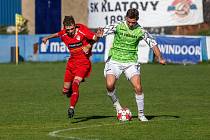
75, 93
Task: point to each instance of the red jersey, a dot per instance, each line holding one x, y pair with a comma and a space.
80, 40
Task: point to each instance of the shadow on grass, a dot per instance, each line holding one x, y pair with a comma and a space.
149, 117
162, 117
82, 119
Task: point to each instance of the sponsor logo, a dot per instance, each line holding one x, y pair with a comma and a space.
78, 37
75, 45
52, 46
181, 8
180, 49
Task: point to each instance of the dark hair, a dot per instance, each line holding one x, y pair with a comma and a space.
133, 13
68, 21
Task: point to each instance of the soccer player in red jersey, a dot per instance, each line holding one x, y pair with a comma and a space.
78, 38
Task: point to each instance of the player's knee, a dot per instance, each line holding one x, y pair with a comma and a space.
138, 89
75, 85
65, 90
76, 82
110, 86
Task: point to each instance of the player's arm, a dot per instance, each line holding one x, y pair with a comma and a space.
99, 33
91, 36
153, 44
44, 39
107, 30
158, 55
87, 48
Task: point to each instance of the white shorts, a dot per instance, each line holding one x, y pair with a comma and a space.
116, 68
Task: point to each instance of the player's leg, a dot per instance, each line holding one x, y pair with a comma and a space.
68, 78
136, 82
75, 91
67, 90
133, 74
111, 73
81, 71
75, 95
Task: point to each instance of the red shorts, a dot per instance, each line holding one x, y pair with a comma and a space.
77, 67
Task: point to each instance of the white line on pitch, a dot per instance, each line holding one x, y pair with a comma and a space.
56, 133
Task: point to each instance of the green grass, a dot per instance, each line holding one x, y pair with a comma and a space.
177, 102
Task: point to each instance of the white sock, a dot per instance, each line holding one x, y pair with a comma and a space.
117, 105
71, 107
114, 100
140, 104
112, 96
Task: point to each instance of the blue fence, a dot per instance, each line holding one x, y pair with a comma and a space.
174, 49
30, 49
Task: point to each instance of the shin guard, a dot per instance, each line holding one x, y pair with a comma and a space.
75, 93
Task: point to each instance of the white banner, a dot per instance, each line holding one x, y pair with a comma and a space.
153, 13
208, 46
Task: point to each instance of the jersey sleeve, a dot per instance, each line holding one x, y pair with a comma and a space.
110, 29
60, 33
87, 33
149, 39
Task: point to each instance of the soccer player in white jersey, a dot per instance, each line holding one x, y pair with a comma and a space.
123, 57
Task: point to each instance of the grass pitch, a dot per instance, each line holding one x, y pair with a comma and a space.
177, 103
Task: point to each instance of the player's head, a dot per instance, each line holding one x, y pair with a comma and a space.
69, 25
132, 17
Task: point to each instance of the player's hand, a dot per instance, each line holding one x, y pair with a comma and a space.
99, 32
86, 49
44, 40
162, 61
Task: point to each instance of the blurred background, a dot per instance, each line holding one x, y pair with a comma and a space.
185, 21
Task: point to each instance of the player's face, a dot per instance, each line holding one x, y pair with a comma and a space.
70, 30
131, 22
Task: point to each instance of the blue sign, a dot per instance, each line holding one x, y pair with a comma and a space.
55, 45
99, 47
180, 49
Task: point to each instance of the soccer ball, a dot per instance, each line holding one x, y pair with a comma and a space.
124, 114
